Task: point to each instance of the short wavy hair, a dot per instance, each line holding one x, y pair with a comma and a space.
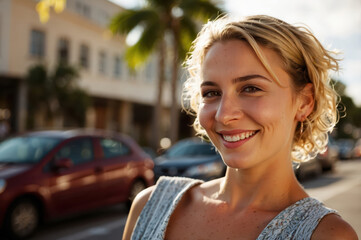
304, 59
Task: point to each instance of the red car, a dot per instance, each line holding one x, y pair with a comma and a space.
49, 174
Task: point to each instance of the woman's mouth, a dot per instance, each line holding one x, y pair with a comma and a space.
238, 137
234, 139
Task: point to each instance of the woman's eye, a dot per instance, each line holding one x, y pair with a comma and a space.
209, 94
251, 89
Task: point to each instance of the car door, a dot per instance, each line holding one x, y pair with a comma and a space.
117, 169
75, 188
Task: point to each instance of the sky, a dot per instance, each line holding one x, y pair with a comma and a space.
337, 24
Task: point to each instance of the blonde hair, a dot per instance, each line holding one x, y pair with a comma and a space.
304, 59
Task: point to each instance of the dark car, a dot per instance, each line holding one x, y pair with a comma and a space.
50, 174
356, 151
345, 148
190, 158
329, 158
310, 168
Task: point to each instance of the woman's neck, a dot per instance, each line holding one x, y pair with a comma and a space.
266, 187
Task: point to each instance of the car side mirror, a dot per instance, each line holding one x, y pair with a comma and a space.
62, 163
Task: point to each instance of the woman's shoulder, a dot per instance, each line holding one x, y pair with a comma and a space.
164, 192
141, 199
332, 226
137, 206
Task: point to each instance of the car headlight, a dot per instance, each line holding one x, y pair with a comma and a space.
2, 185
214, 168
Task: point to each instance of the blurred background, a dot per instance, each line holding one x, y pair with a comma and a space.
114, 72
115, 65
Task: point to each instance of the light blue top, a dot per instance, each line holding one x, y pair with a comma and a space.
297, 221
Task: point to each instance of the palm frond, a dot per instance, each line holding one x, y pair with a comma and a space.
140, 51
162, 4
188, 32
127, 20
201, 9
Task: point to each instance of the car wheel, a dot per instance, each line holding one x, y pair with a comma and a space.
22, 219
136, 188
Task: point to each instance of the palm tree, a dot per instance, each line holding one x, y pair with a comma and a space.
157, 20
57, 93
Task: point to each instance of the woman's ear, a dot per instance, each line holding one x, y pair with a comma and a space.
306, 102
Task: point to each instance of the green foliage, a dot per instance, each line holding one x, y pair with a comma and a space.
202, 10
149, 22
38, 84
140, 51
156, 19
350, 114
76, 104
57, 93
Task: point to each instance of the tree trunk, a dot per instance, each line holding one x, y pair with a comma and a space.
158, 105
175, 107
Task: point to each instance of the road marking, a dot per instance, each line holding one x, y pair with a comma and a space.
101, 230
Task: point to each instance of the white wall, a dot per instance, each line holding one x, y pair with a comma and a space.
78, 29
5, 8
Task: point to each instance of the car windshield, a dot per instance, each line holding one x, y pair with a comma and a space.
26, 149
193, 149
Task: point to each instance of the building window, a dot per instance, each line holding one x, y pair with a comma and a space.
102, 17
63, 51
84, 56
117, 67
83, 9
37, 43
149, 71
102, 62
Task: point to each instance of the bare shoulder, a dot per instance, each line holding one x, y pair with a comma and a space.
333, 226
135, 210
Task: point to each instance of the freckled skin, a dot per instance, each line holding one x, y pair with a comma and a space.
214, 220
259, 182
271, 111
259, 168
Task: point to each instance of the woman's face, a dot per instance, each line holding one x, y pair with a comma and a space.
247, 115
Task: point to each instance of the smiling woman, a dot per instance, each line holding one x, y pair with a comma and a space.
260, 91
301, 57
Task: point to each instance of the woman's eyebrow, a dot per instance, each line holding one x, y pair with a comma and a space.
208, 83
236, 80
249, 77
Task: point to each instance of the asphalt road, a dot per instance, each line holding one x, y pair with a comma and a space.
340, 190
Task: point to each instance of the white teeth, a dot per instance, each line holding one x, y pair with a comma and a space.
235, 138
243, 136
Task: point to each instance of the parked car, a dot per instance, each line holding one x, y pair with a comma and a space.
192, 158
310, 168
329, 158
356, 151
345, 148
50, 174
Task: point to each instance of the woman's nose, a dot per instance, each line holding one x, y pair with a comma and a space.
229, 110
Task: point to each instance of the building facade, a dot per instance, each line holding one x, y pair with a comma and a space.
121, 100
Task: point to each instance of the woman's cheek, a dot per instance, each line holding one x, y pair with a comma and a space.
205, 116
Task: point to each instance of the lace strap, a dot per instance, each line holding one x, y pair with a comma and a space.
154, 218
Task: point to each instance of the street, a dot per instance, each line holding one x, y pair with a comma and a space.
340, 190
